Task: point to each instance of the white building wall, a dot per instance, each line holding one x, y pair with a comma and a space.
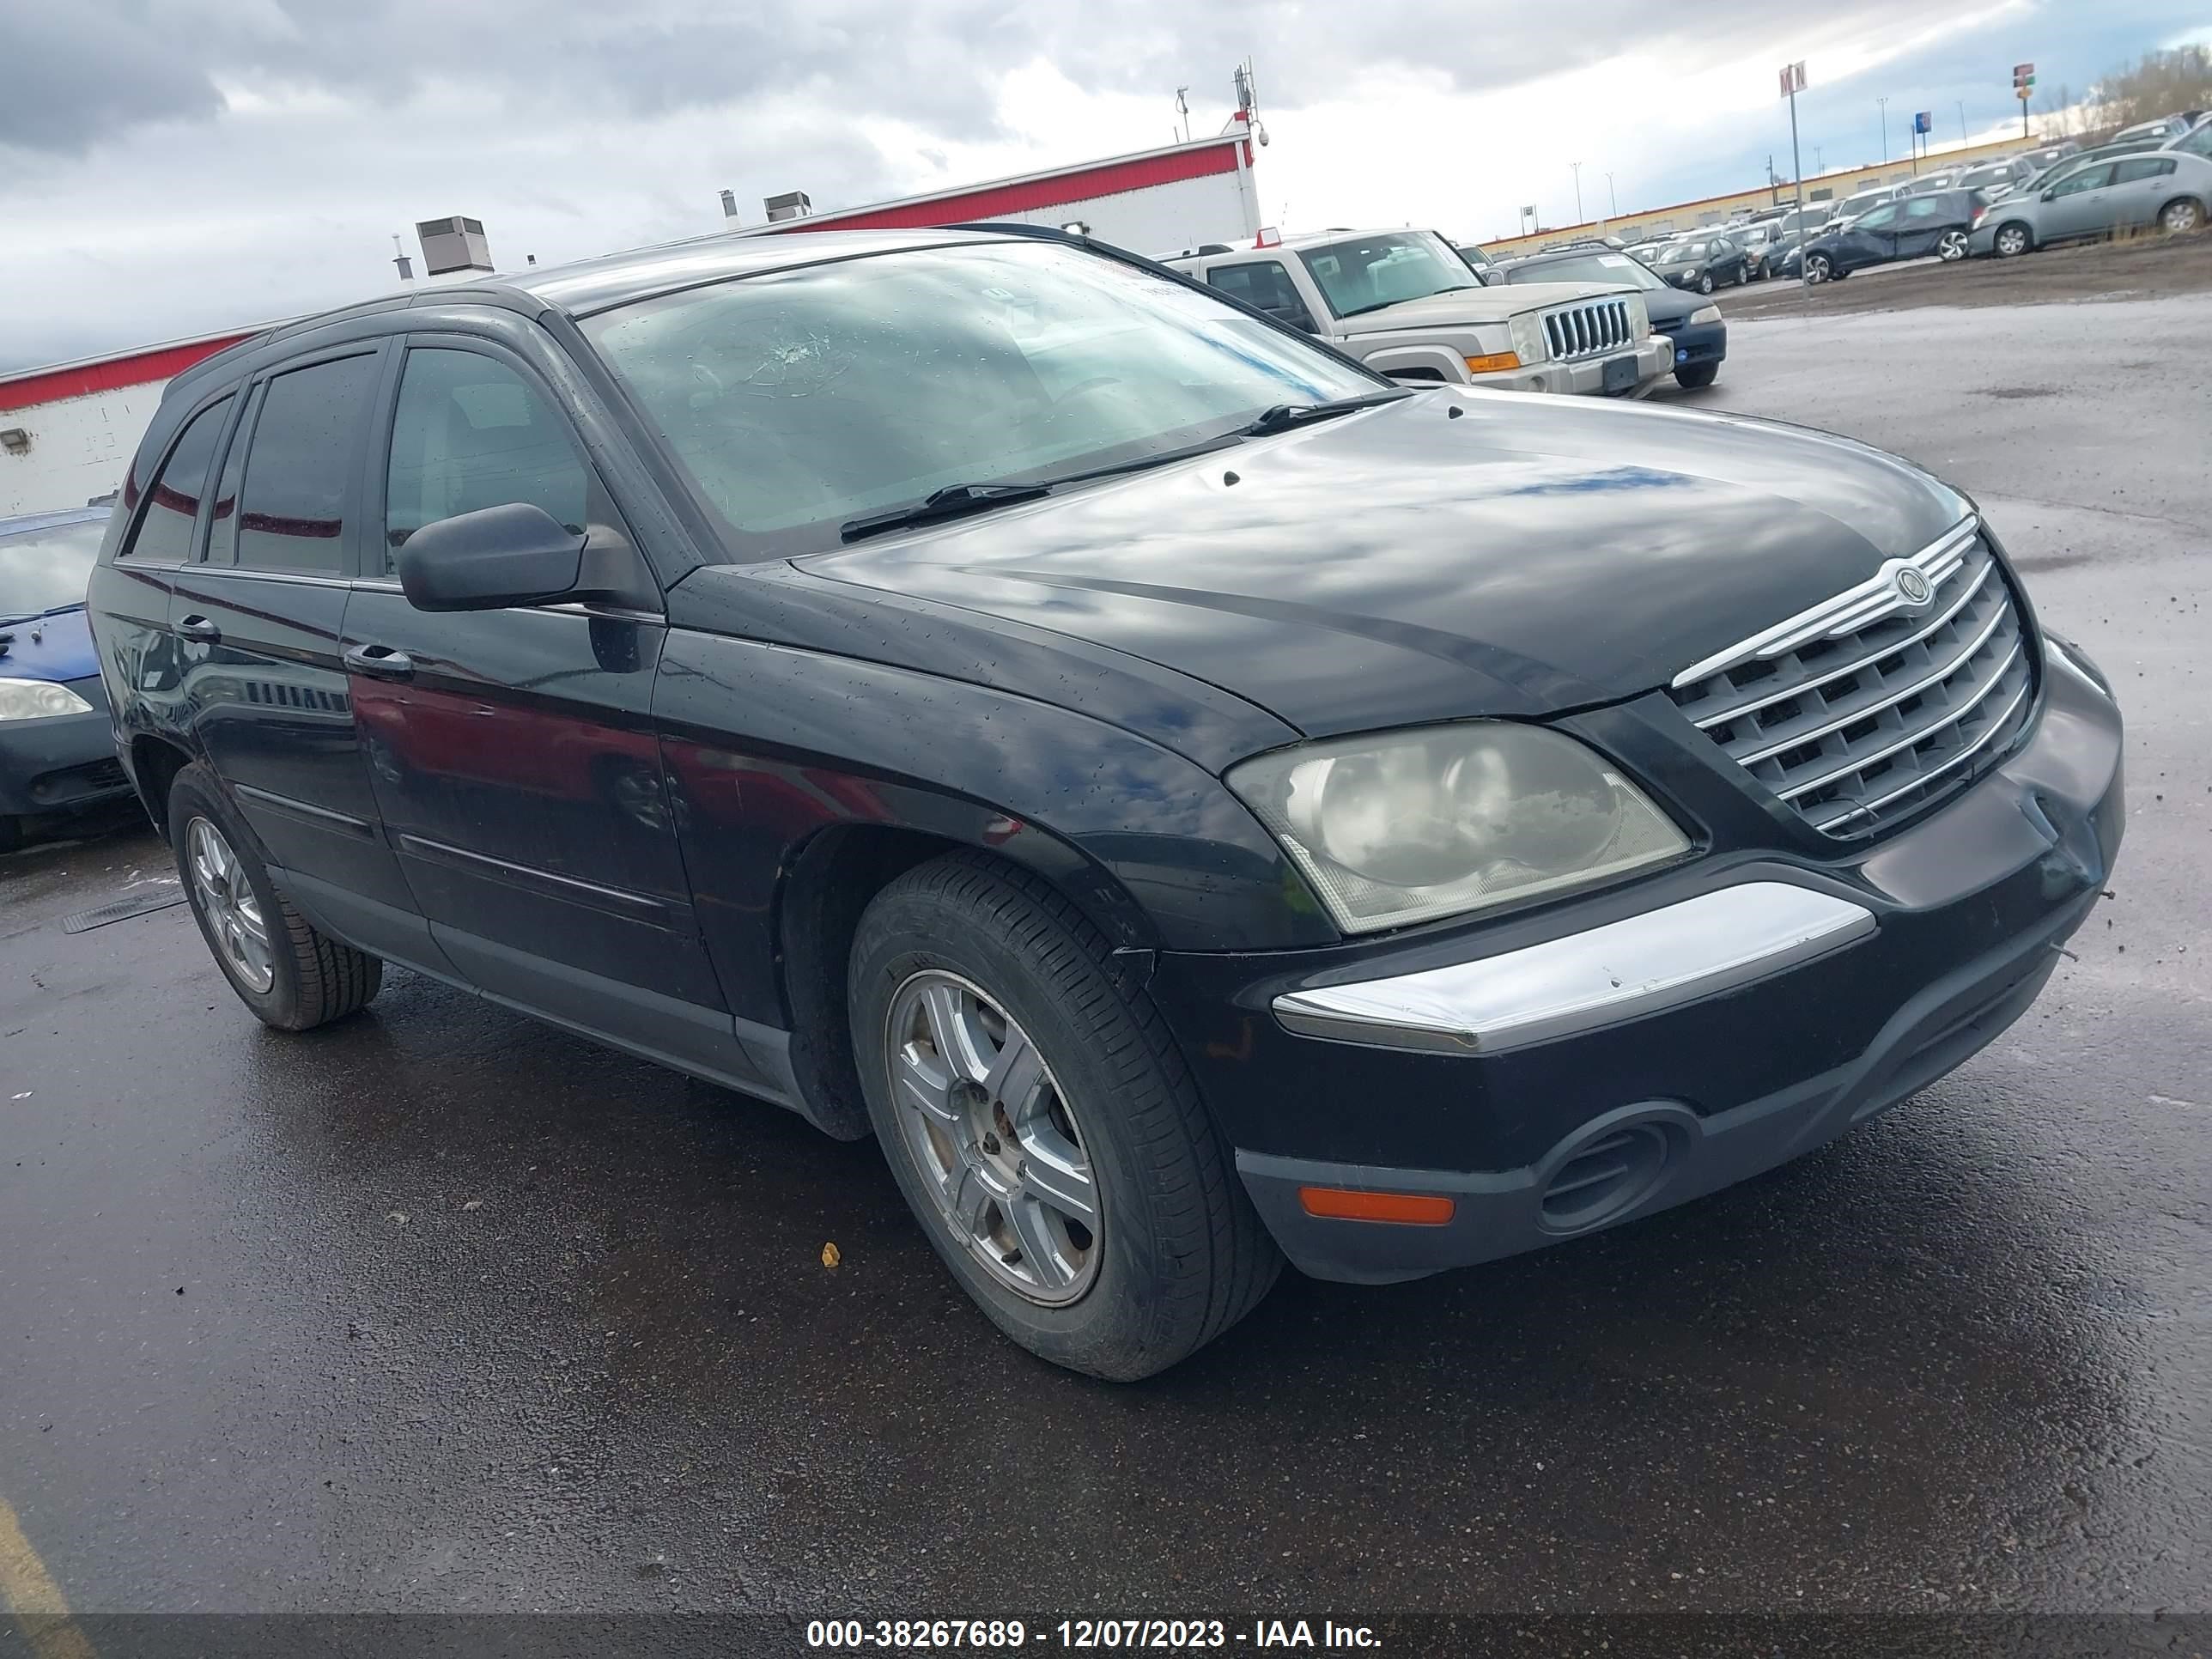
80, 447
1160, 219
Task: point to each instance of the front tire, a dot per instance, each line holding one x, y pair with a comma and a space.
2010, 241
1042, 1126
293, 976
1696, 375
1817, 268
1951, 246
1705, 283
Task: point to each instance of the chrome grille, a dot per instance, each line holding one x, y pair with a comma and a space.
1590, 327
1863, 709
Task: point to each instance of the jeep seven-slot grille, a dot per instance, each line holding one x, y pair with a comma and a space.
1582, 331
1870, 705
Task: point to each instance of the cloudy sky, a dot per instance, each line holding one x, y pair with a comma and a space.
175, 167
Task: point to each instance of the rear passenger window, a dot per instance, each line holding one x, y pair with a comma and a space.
291, 511
165, 534
1263, 284
470, 433
2143, 166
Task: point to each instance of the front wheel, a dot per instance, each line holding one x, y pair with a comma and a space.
1696, 375
1817, 268
1951, 245
1705, 283
1042, 1126
291, 976
2011, 241
2182, 217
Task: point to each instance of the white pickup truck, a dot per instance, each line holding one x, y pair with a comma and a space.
1405, 304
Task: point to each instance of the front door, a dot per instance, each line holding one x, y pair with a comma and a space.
257, 626
2080, 203
1872, 238
512, 752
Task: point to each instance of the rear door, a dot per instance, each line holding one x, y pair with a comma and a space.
1872, 237
257, 622
2141, 185
514, 752
1924, 219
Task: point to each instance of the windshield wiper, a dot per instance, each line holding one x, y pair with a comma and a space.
41, 616
1160, 457
953, 502
1283, 417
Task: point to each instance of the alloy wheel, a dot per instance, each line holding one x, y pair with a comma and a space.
1705, 283
1816, 268
2181, 217
994, 1137
2011, 241
226, 899
1952, 245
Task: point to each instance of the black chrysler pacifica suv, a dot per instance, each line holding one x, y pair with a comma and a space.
1196, 803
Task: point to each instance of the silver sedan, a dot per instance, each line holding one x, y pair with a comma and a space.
2167, 188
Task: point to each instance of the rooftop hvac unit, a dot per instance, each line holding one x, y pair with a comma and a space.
454, 244
792, 204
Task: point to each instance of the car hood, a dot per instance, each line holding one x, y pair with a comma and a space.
1529, 556
1671, 304
52, 647
1493, 303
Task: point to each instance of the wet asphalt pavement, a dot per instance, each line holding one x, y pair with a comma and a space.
439, 1310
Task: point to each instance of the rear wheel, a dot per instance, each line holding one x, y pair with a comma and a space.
1817, 268
1697, 374
291, 976
2182, 215
2011, 241
1042, 1126
1952, 245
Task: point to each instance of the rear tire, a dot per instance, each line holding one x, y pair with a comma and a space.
291, 976
1817, 268
1951, 246
2181, 216
1696, 375
1174, 1253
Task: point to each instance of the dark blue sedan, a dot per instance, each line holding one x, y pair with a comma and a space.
1692, 321
56, 749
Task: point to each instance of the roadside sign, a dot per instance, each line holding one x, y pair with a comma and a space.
1923, 121
2023, 80
1793, 78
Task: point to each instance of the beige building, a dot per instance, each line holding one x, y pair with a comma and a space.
1686, 216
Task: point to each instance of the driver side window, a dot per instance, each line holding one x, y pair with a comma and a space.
1880, 218
2087, 179
1265, 284
470, 433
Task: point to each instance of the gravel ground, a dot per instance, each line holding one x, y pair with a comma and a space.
2146, 268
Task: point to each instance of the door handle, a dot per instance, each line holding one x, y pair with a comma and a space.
379, 660
200, 630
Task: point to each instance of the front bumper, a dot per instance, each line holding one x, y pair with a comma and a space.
1585, 377
1698, 343
1554, 1076
63, 764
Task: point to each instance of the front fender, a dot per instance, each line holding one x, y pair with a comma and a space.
767, 746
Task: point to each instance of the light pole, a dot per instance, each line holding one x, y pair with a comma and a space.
1610, 197
1577, 167
1882, 104
1962, 122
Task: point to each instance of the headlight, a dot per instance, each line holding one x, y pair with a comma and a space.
1406, 826
1706, 315
31, 699
1528, 338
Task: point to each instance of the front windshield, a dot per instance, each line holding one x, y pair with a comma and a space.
1617, 269
798, 399
47, 568
1366, 273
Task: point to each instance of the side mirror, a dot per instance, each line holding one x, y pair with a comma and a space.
517, 554
2051, 195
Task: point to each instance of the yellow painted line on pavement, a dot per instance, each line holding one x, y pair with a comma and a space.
29, 1592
